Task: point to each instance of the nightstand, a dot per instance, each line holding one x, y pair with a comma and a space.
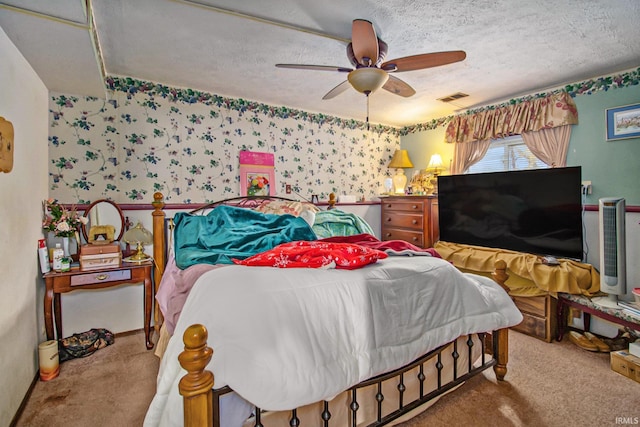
58, 283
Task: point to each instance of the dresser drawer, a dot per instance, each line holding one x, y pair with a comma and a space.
100, 277
403, 205
394, 219
413, 237
534, 326
539, 315
532, 305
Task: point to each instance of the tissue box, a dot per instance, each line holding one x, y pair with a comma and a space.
626, 364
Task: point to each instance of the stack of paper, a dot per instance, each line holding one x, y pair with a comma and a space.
630, 308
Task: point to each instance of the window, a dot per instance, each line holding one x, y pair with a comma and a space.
507, 154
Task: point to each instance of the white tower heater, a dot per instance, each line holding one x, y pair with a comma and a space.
613, 267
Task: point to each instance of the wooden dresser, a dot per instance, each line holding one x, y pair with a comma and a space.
413, 219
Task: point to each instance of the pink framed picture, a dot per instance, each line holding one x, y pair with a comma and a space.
257, 174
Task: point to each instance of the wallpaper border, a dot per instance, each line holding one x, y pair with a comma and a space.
190, 96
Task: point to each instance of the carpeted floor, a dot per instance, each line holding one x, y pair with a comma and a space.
548, 384
111, 388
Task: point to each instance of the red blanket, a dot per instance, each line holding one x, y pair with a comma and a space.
315, 254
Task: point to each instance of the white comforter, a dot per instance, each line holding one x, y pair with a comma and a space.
283, 338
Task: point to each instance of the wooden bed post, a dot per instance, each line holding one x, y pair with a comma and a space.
196, 386
500, 274
158, 252
501, 347
501, 353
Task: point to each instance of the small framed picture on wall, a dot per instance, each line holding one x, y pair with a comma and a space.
257, 174
623, 122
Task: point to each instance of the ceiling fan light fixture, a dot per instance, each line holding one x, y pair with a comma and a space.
368, 79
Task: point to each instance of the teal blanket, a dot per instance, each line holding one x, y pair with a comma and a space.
335, 222
228, 232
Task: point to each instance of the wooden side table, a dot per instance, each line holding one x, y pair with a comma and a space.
58, 283
588, 309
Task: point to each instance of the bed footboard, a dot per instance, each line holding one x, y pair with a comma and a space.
201, 402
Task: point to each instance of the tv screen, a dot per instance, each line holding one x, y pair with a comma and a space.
535, 211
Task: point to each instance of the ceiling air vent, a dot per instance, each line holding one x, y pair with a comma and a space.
453, 97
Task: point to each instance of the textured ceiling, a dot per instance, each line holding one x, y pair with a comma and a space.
513, 47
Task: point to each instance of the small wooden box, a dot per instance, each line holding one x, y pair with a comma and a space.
108, 248
93, 257
626, 364
94, 262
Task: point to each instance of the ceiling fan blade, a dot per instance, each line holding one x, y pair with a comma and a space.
337, 90
398, 87
425, 60
315, 67
364, 42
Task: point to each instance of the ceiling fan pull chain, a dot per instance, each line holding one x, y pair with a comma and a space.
367, 111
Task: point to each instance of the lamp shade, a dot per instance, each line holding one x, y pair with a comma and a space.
435, 162
400, 159
138, 234
368, 79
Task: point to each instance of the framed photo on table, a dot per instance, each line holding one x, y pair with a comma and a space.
257, 174
623, 122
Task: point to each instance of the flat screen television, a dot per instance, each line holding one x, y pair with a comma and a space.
534, 211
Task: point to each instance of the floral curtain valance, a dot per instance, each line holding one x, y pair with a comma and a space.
556, 109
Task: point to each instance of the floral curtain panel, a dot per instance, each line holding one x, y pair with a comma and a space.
529, 115
466, 155
549, 145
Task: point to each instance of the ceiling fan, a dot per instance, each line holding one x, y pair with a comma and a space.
366, 52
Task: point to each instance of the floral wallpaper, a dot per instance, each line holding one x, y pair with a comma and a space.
148, 137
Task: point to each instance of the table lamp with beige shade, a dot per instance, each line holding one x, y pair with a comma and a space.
399, 161
435, 167
138, 236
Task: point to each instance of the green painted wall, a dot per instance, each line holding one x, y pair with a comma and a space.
612, 167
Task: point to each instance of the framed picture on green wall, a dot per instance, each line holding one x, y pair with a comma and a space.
623, 122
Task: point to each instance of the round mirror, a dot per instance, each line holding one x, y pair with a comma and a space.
103, 212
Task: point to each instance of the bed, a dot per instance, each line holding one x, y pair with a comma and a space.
366, 333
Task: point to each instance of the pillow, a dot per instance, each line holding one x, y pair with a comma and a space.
309, 216
314, 254
335, 222
290, 207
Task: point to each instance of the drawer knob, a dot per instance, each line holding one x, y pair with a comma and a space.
388, 219
414, 221
388, 235
415, 239
414, 207
389, 206
102, 276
